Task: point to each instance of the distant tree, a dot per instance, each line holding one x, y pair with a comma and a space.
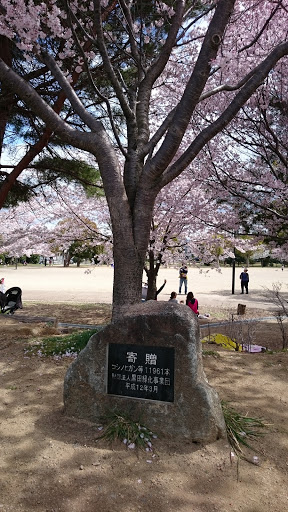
79, 252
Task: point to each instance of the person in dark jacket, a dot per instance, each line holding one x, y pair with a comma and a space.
244, 278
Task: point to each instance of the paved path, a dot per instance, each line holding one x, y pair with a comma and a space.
58, 284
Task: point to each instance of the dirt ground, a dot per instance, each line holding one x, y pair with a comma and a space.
94, 284
53, 463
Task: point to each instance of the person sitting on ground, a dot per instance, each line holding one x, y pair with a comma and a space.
173, 297
192, 303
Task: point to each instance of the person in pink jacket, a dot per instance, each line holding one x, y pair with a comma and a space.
192, 303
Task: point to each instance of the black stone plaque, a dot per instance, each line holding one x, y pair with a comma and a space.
139, 371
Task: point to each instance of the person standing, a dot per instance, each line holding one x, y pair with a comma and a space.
183, 278
244, 278
144, 291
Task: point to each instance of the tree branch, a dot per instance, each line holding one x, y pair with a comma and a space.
26, 92
260, 73
193, 90
106, 62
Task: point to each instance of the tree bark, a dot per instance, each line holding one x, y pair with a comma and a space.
151, 273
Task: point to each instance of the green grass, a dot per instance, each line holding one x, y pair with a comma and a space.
210, 353
275, 351
69, 345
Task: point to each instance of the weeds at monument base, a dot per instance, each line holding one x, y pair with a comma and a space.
132, 433
241, 429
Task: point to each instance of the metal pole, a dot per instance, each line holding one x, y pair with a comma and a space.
233, 276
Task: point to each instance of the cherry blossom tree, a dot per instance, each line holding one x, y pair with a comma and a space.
186, 221
248, 163
64, 220
53, 221
174, 225
163, 96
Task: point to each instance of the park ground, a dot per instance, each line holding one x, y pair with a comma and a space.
53, 463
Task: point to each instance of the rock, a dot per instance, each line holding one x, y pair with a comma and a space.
195, 412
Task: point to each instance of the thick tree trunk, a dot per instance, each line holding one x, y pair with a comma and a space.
127, 285
128, 275
131, 228
128, 262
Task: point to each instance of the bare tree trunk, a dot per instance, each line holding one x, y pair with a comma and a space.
128, 262
152, 284
152, 273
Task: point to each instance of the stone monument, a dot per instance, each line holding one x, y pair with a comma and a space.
149, 365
